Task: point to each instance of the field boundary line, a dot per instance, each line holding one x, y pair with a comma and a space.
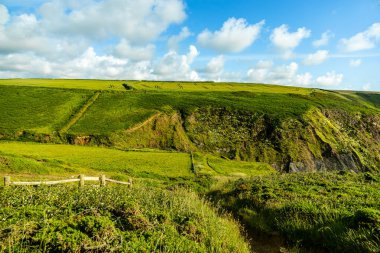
74, 119
144, 123
81, 179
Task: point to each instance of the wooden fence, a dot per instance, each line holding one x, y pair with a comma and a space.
81, 180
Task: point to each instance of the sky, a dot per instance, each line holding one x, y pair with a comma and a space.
315, 43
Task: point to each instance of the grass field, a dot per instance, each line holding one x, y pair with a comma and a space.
113, 219
335, 212
151, 85
37, 109
215, 87
94, 159
221, 123
215, 166
67, 83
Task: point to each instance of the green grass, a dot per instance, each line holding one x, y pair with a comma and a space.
102, 160
112, 112
113, 219
86, 84
37, 109
215, 166
213, 86
337, 212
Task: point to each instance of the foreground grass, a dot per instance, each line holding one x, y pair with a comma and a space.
330, 211
74, 159
113, 219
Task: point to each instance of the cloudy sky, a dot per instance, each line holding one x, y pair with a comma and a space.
314, 43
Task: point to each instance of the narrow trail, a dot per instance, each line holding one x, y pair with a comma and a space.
73, 120
140, 125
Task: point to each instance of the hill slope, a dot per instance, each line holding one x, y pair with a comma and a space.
289, 128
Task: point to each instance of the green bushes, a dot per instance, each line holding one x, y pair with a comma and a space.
338, 212
68, 219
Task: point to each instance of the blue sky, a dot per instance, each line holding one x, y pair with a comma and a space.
325, 44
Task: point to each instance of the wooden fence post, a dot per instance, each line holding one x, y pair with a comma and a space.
7, 181
130, 182
102, 180
81, 180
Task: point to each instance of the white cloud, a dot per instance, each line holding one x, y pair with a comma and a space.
367, 87
330, 79
177, 67
324, 40
215, 70
125, 50
317, 58
59, 40
363, 40
304, 79
235, 36
176, 39
266, 72
286, 41
215, 65
355, 63
135, 21
4, 15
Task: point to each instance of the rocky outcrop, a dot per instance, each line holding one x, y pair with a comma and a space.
319, 140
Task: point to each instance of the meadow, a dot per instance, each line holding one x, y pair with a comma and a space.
228, 141
333, 212
66, 83
113, 219
37, 109
151, 164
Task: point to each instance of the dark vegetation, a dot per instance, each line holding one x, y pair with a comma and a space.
113, 219
334, 212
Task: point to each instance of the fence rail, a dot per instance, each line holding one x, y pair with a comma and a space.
81, 179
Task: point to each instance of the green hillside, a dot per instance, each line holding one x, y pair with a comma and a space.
295, 164
113, 219
291, 129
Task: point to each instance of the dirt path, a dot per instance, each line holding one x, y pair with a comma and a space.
79, 114
261, 243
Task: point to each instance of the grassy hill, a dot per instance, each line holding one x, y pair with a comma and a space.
328, 212
113, 219
226, 140
289, 128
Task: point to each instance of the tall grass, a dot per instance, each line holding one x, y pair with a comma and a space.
113, 219
330, 211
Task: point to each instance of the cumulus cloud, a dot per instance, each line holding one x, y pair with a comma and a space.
215, 65
136, 21
176, 39
234, 36
4, 15
324, 40
287, 41
317, 58
71, 39
363, 40
177, 67
330, 79
267, 72
214, 70
304, 79
355, 63
125, 50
